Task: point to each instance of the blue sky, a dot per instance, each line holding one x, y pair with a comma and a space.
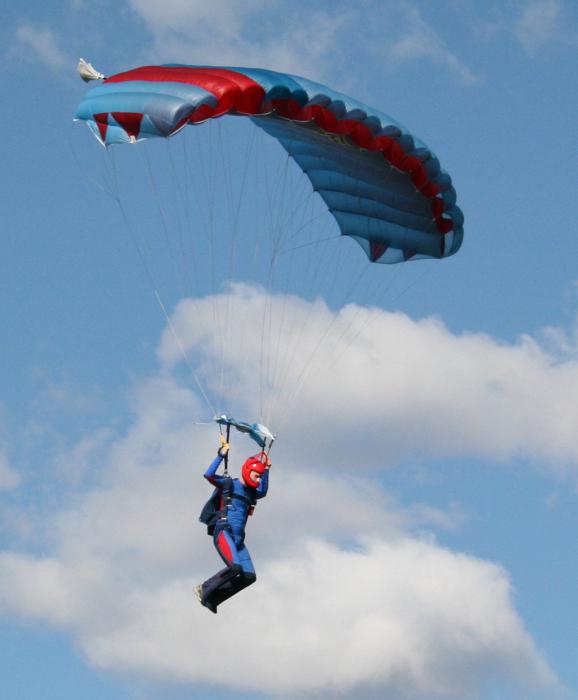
419, 538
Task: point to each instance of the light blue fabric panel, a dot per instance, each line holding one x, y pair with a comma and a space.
186, 92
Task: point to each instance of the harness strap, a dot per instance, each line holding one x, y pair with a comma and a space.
226, 469
227, 496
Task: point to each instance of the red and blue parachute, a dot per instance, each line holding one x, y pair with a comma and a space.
383, 186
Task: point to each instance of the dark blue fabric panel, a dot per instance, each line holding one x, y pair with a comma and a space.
341, 201
338, 182
388, 233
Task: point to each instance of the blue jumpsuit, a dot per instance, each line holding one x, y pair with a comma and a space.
229, 537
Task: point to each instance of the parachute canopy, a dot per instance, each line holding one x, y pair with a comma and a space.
384, 187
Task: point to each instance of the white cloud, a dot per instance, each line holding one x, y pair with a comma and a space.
74, 463
538, 24
395, 616
44, 45
395, 613
383, 386
220, 17
60, 396
349, 600
258, 32
294, 37
421, 41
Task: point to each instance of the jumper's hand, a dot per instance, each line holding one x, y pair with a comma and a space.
224, 449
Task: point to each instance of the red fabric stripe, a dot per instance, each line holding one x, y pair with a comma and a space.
101, 120
383, 144
419, 178
444, 225
234, 90
376, 250
309, 112
430, 189
362, 136
130, 122
345, 126
288, 108
410, 164
437, 207
201, 114
396, 154
224, 547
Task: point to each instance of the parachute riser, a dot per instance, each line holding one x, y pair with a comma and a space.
268, 449
226, 470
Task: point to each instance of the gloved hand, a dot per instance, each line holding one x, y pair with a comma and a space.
224, 449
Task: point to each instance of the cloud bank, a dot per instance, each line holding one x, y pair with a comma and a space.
297, 37
257, 32
420, 41
386, 611
354, 595
402, 387
42, 44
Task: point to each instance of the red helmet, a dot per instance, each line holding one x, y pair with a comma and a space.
256, 463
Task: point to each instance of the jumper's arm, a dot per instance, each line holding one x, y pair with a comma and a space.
211, 474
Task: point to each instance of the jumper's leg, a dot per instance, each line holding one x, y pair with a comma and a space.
238, 574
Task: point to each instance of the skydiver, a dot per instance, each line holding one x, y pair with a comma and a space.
226, 515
